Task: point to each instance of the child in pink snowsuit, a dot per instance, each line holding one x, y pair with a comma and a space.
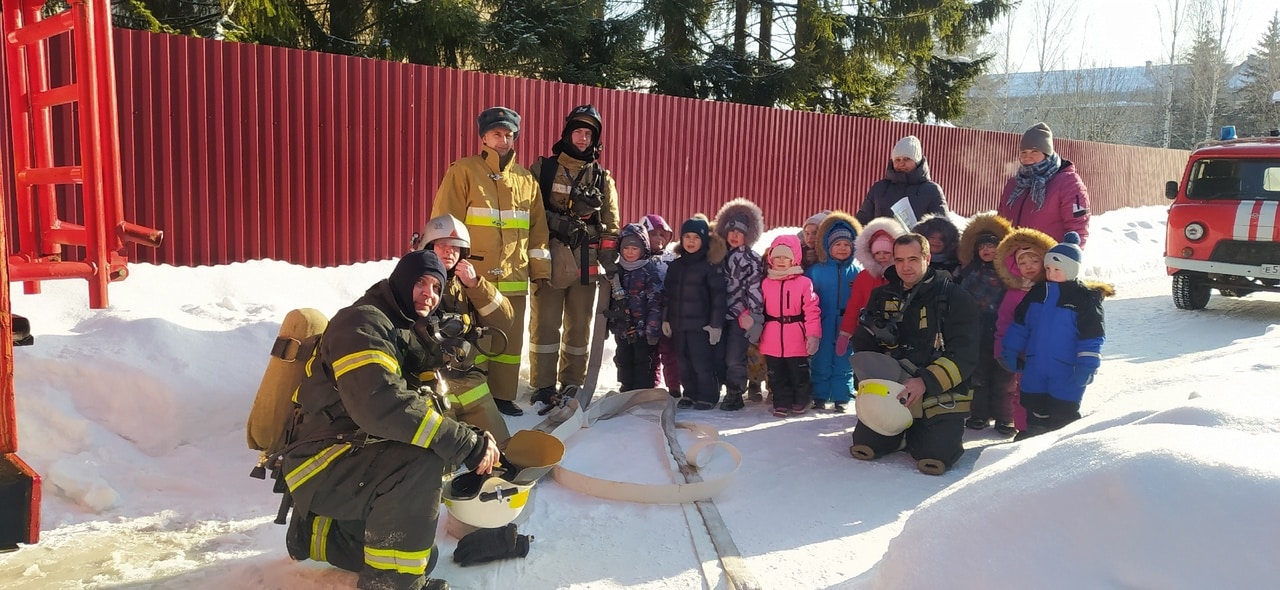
792, 327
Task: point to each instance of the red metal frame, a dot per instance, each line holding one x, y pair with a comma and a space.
42, 235
92, 178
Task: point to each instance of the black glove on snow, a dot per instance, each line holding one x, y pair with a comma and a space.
487, 545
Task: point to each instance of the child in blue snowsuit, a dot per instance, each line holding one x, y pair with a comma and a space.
832, 276
1060, 327
635, 312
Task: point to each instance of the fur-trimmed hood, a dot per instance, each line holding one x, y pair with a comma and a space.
981, 223
942, 225
1103, 288
862, 244
741, 211
829, 223
1023, 237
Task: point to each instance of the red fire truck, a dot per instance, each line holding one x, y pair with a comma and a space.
1224, 223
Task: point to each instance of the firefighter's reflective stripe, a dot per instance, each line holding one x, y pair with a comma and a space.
946, 372
493, 306
506, 359
542, 253
309, 468
427, 429
482, 358
413, 563
1088, 353
513, 287
500, 218
359, 359
473, 395
315, 351
578, 350
545, 348
320, 538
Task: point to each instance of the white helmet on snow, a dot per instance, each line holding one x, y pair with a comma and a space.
447, 229
878, 407
493, 500
485, 501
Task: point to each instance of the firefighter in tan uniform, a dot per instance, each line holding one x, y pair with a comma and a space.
498, 201
581, 206
470, 306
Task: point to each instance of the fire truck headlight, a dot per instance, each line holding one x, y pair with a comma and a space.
1194, 231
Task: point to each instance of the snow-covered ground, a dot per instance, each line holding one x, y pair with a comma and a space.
134, 415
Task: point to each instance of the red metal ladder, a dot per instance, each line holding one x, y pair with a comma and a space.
91, 177
28, 36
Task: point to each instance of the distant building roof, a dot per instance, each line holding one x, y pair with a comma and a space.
1111, 79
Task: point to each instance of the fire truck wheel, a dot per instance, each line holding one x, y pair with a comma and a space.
1189, 293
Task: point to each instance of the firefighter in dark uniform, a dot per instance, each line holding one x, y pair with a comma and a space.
925, 327
581, 206
369, 454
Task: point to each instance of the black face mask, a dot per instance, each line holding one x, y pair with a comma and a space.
414, 266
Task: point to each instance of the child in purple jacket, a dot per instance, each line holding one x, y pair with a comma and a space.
635, 313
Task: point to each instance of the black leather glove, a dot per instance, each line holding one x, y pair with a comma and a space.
487, 545
608, 258
477, 452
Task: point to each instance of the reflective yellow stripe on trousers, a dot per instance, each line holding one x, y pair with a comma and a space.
413, 563
320, 538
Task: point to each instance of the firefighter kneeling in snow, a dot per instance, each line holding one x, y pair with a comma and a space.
917, 344
371, 450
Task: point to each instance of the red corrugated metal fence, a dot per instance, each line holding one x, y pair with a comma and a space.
242, 152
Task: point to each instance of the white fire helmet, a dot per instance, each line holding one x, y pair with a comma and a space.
497, 498
878, 407
447, 229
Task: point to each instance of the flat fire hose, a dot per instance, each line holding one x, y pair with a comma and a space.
692, 490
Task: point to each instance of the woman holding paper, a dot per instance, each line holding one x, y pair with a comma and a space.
905, 192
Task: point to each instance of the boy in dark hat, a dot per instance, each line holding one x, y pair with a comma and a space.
695, 310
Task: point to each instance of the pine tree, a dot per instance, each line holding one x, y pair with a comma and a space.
1258, 115
430, 32
1200, 99
563, 40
